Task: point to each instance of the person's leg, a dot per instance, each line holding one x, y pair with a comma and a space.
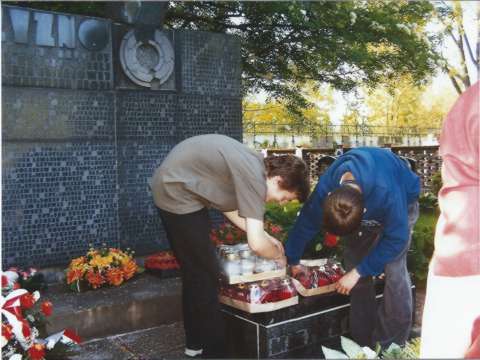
395, 313
189, 236
363, 311
193, 343
363, 307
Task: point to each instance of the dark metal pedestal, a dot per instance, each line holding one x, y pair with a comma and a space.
294, 332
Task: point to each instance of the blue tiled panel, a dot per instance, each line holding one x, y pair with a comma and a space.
146, 117
57, 199
50, 114
140, 225
209, 114
146, 133
210, 63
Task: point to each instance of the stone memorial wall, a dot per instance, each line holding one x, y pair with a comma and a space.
88, 113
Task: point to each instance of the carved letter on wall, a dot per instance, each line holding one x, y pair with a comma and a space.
44, 29
66, 31
20, 21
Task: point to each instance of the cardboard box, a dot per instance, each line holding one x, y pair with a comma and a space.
237, 279
315, 291
258, 308
312, 292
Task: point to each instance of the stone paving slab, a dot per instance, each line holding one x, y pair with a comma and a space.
155, 342
162, 342
138, 288
143, 302
101, 349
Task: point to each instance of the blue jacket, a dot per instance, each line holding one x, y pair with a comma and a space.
388, 187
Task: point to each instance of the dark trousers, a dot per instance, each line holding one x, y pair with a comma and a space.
189, 238
392, 321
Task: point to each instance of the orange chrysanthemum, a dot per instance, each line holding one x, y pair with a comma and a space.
95, 279
74, 275
129, 269
114, 276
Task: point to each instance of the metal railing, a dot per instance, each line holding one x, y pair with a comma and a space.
316, 135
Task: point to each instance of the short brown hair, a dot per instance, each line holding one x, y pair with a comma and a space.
343, 210
293, 172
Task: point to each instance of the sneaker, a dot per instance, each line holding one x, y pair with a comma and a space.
193, 353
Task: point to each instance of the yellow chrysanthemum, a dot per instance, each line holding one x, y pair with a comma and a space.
101, 261
78, 261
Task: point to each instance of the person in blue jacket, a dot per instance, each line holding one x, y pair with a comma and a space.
366, 184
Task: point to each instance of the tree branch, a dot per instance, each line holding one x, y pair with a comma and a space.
470, 52
453, 80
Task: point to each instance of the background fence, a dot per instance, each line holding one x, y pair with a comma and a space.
274, 135
428, 162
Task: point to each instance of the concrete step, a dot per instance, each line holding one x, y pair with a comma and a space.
162, 342
144, 302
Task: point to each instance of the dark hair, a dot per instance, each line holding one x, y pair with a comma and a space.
293, 172
343, 210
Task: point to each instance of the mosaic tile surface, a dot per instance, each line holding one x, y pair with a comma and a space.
78, 151
56, 200
210, 63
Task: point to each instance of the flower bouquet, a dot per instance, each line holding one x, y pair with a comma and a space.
228, 234
101, 267
163, 263
23, 324
30, 279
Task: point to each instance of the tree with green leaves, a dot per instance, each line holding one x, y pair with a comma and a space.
402, 106
285, 44
451, 16
275, 116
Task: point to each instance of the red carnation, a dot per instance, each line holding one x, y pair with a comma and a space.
47, 308
275, 229
330, 240
37, 351
4, 281
229, 237
7, 331
27, 301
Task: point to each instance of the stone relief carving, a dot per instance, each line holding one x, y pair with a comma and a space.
147, 63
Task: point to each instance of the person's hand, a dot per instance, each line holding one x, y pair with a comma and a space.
277, 244
347, 282
281, 262
295, 269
